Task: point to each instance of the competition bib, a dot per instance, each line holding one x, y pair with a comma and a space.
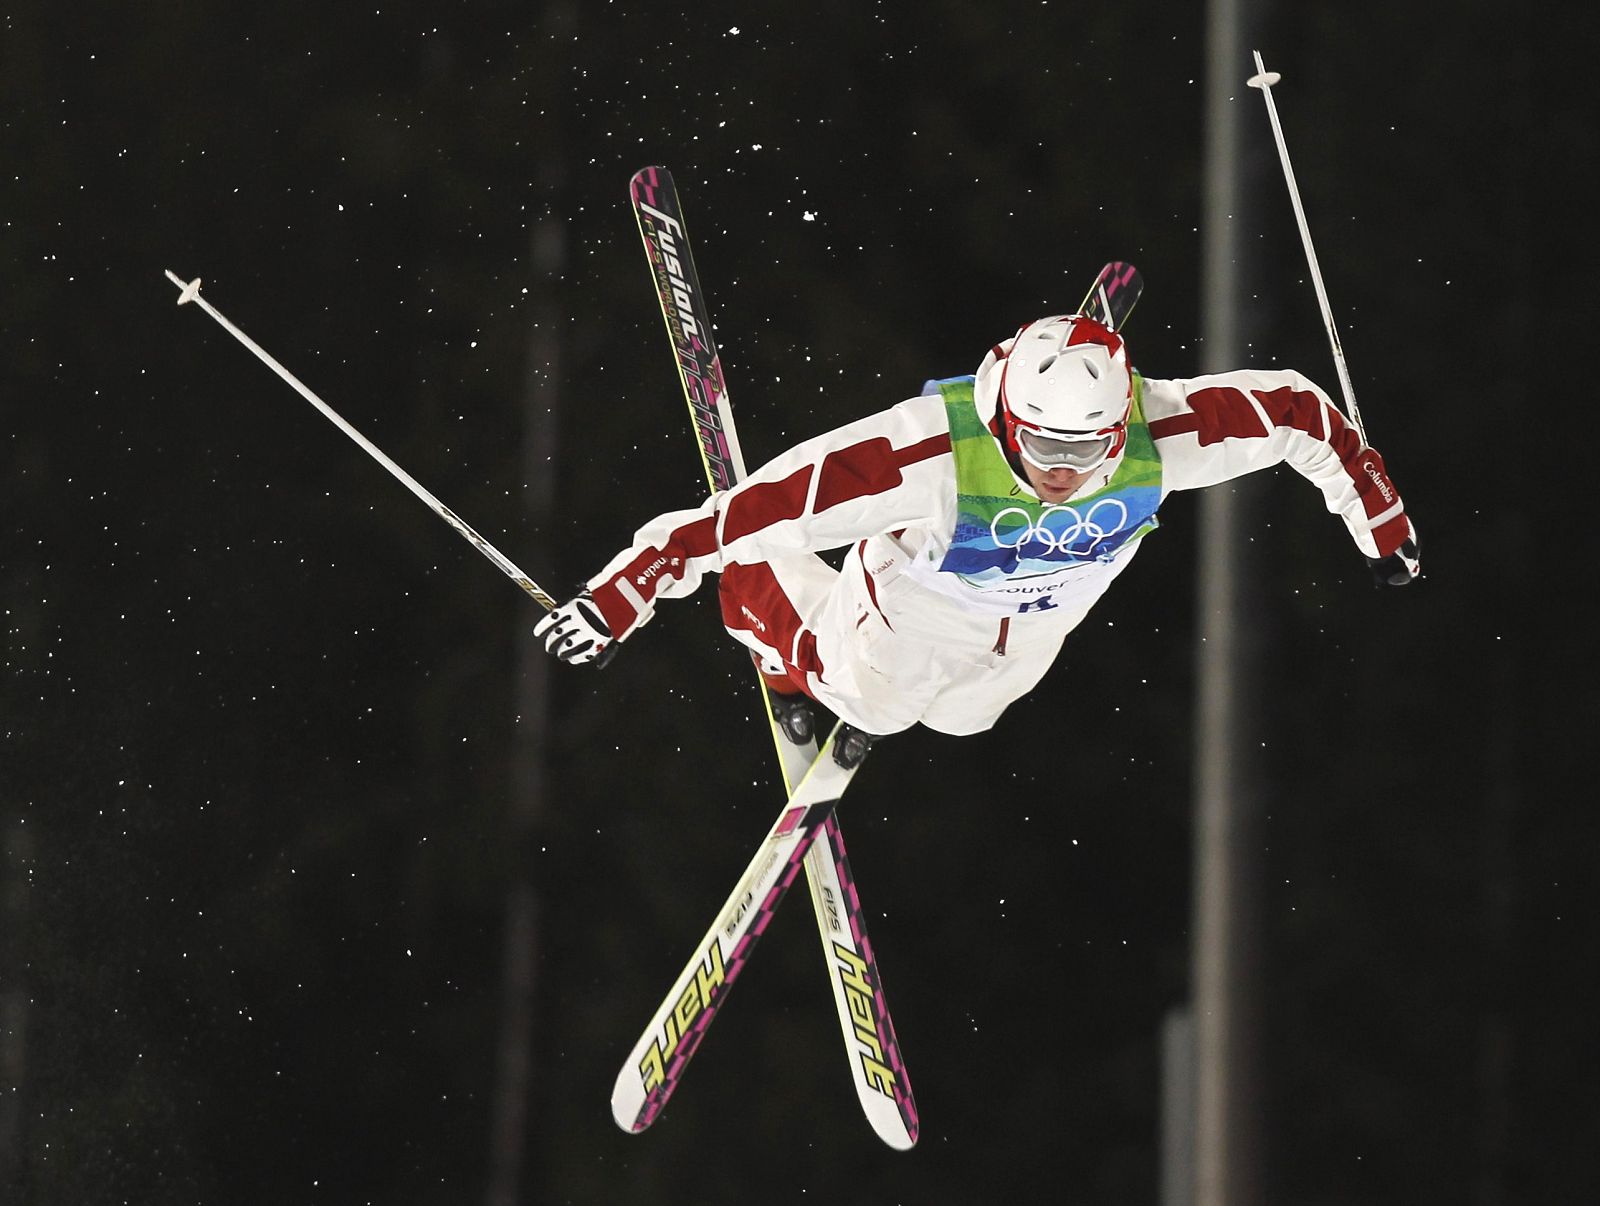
1002, 534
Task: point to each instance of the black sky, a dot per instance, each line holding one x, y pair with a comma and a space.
265, 721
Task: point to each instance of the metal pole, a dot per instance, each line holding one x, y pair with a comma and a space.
1264, 80
1222, 954
189, 291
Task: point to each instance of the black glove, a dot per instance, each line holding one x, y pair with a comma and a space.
1399, 567
575, 632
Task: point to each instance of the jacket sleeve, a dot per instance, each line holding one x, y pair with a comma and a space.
879, 474
1215, 428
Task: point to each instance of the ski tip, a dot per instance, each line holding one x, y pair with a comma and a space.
628, 1112
1120, 275
894, 1119
1114, 294
649, 177
900, 1134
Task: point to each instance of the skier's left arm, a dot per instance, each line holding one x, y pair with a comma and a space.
1214, 428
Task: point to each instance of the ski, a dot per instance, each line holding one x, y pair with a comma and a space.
688, 318
1113, 295
883, 1087
877, 1069
658, 1059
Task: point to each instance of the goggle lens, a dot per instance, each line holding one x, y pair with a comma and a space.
1046, 452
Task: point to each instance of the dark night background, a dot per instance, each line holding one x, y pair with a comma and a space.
277, 765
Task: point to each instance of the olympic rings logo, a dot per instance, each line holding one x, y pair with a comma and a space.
1106, 518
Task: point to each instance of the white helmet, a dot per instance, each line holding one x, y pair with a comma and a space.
1065, 393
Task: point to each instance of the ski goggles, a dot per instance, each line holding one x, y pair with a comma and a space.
1079, 452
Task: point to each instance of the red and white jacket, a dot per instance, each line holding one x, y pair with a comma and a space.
890, 477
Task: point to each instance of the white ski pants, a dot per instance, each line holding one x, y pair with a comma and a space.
885, 653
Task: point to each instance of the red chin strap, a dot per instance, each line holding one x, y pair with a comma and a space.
1008, 421
1121, 440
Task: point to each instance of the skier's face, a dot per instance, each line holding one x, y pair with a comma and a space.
1055, 485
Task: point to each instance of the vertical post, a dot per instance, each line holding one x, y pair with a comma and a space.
510, 1181
525, 806
1225, 867
16, 858
1177, 1107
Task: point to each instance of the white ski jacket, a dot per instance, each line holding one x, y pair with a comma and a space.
891, 639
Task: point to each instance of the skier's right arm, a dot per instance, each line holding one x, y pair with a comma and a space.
878, 474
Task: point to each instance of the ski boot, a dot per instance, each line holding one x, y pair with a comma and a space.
793, 715
791, 707
851, 745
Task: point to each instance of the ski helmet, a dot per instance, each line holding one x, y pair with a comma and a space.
1065, 393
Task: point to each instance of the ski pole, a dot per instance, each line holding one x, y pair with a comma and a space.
190, 292
1263, 80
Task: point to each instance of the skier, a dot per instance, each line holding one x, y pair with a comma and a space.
983, 520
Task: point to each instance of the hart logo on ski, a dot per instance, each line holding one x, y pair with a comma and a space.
697, 996
858, 992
